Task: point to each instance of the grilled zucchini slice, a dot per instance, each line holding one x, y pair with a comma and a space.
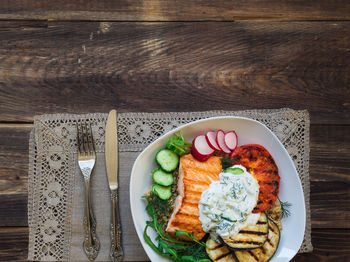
274, 212
218, 252
250, 237
264, 253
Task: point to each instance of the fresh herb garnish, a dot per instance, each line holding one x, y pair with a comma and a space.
229, 219
226, 162
176, 250
285, 206
178, 144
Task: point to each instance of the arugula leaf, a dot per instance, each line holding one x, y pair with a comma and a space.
190, 235
188, 259
171, 251
148, 240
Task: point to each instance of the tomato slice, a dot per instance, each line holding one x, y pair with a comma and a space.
262, 166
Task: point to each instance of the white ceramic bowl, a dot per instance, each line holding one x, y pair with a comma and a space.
248, 131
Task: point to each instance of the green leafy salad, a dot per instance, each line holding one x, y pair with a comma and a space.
160, 203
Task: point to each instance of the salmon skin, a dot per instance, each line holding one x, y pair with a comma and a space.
194, 178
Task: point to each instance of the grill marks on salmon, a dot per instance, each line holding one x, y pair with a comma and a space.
194, 178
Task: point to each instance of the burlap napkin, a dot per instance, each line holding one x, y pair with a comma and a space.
55, 196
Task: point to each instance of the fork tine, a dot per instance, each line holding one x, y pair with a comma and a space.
92, 140
89, 150
85, 148
78, 139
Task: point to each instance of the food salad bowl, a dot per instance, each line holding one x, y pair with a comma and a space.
249, 131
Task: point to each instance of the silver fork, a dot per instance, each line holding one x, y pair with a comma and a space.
86, 161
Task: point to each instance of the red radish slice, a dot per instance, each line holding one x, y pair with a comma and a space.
211, 136
220, 139
200, 148
231, 140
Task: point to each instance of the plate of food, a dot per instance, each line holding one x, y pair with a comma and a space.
217, 189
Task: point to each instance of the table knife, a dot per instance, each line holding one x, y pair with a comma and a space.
111, 154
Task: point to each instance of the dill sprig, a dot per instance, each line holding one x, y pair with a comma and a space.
285, 206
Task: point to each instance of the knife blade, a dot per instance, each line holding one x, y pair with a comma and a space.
111, 155
111, 150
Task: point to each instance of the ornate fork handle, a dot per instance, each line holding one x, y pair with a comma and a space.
91, 243
116, 251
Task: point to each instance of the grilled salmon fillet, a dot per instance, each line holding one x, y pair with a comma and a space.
194, 178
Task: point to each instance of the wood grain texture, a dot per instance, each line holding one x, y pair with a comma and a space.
330, 245
13, 158
13, 243
13, 210
181, 10
85, 67
330, 153
330, 205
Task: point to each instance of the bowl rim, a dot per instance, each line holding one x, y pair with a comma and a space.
139, 234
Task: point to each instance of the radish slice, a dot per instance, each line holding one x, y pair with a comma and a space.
231, 140
220, 139
200, 148
211, 136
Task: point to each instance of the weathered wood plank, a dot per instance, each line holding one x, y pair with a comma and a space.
330, 153
13, 243
182, 10
329, 245
330, 204
85, 67
13, 208
14, 141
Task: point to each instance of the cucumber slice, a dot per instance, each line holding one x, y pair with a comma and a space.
162, 178
235, 170
163, 192
167, 160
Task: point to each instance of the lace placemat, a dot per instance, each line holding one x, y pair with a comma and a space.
55, 193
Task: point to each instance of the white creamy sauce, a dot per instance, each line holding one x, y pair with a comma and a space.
226, 206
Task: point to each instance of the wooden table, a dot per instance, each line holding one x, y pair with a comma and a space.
161, 55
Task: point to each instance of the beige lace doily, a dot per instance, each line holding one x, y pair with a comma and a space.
55, 201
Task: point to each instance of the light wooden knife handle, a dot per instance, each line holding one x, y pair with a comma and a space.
116, 251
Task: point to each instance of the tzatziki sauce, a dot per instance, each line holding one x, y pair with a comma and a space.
226, 206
